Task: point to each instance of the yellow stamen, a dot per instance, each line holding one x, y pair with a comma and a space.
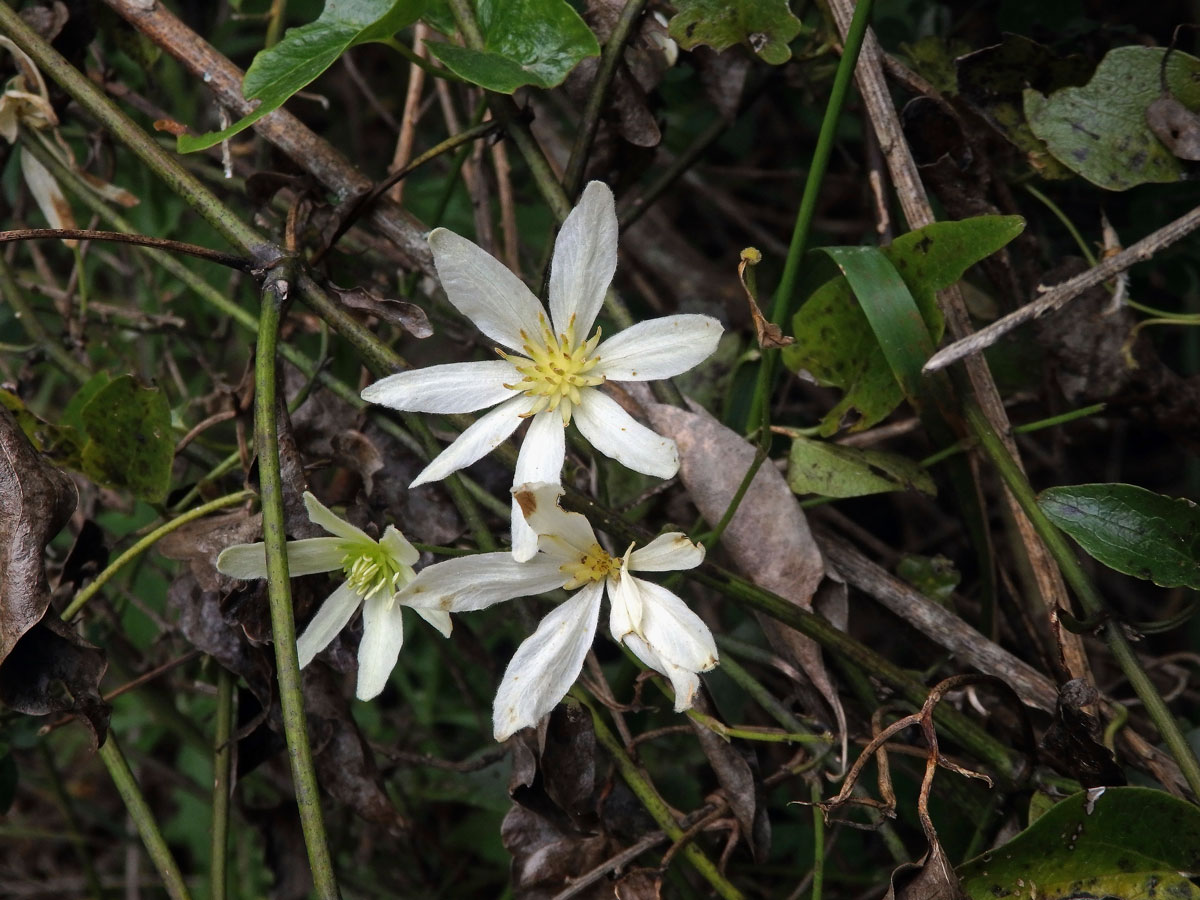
595, 565
555, 368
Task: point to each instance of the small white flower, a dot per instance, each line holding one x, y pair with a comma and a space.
374, 572
655, 624
554, 368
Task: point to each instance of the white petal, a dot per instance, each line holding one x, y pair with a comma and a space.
47, 194
624, 606
475, 582
547, 663
615, 433
562, 535
439, 619
331, 618
398, 547
452, 388
244, 561
673, 631
485, 435
658, 348
667, 553
383, 636
320, 514
585, 257
484, 290
540, 460
683, 682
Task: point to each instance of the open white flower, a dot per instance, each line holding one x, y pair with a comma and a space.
374, 572
655, 624
554, 368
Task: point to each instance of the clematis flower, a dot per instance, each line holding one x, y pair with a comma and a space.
553, 365
374, 571
651, 621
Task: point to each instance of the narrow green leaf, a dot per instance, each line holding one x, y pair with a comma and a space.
525, 42
829, 470
1099, 130
836, 333
1131, 529
305, 52
1108, 842
129, 444
764, 26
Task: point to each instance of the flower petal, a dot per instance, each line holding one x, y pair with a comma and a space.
478, 581
398, 547
451, 388
547, 663
585, 258
666, 553
47, 194
484, 436
658, 348
683, 682
677, 637
540, 460
624, 605
484, 290
562, 535
244, 561
331, 618
615, 433
383, 636
438, 618
320, 514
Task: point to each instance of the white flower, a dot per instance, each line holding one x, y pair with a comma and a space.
554, 370
374, 572
655, 624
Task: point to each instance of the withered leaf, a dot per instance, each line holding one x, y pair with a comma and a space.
546, 858
932, 878
1071, 743
768, 537
1176, 126
406, 315
639, 884
201, 541
44, 666
768, 333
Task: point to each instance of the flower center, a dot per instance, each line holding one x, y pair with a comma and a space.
554, 369
369, 568
595, 565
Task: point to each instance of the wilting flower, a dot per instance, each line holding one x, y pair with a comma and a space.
553, 366
652, 622
374, 571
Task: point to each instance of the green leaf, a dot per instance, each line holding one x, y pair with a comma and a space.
819, 467
836, 344
765, 26
1099, 130
934, 576
1131, 529
1121, 842
129, 443
304, 53
525, 42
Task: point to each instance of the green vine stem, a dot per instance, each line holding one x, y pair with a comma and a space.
808, 200
276, 287
653, 803
609, 60
1089, 598
80, 599
24, 313
168, 870
222, 784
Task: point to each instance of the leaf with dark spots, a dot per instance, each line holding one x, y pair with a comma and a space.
400, 313
1072, 742
768, 537
736, 768
345, 766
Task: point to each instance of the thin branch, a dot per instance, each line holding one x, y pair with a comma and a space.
230, 260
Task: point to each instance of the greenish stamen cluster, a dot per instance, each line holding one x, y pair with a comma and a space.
369, 568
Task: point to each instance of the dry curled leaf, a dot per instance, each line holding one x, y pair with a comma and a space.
406, 315
1176, 126
932, 878
768, 333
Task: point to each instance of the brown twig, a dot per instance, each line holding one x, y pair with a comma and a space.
412, 112
230, 260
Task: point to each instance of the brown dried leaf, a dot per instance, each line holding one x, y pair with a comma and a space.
1176, 126
932, 878
546, 858
736, 768
1072, 742
406, 315
768, 333
723, 76
199, 543
640, 884
768, 537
